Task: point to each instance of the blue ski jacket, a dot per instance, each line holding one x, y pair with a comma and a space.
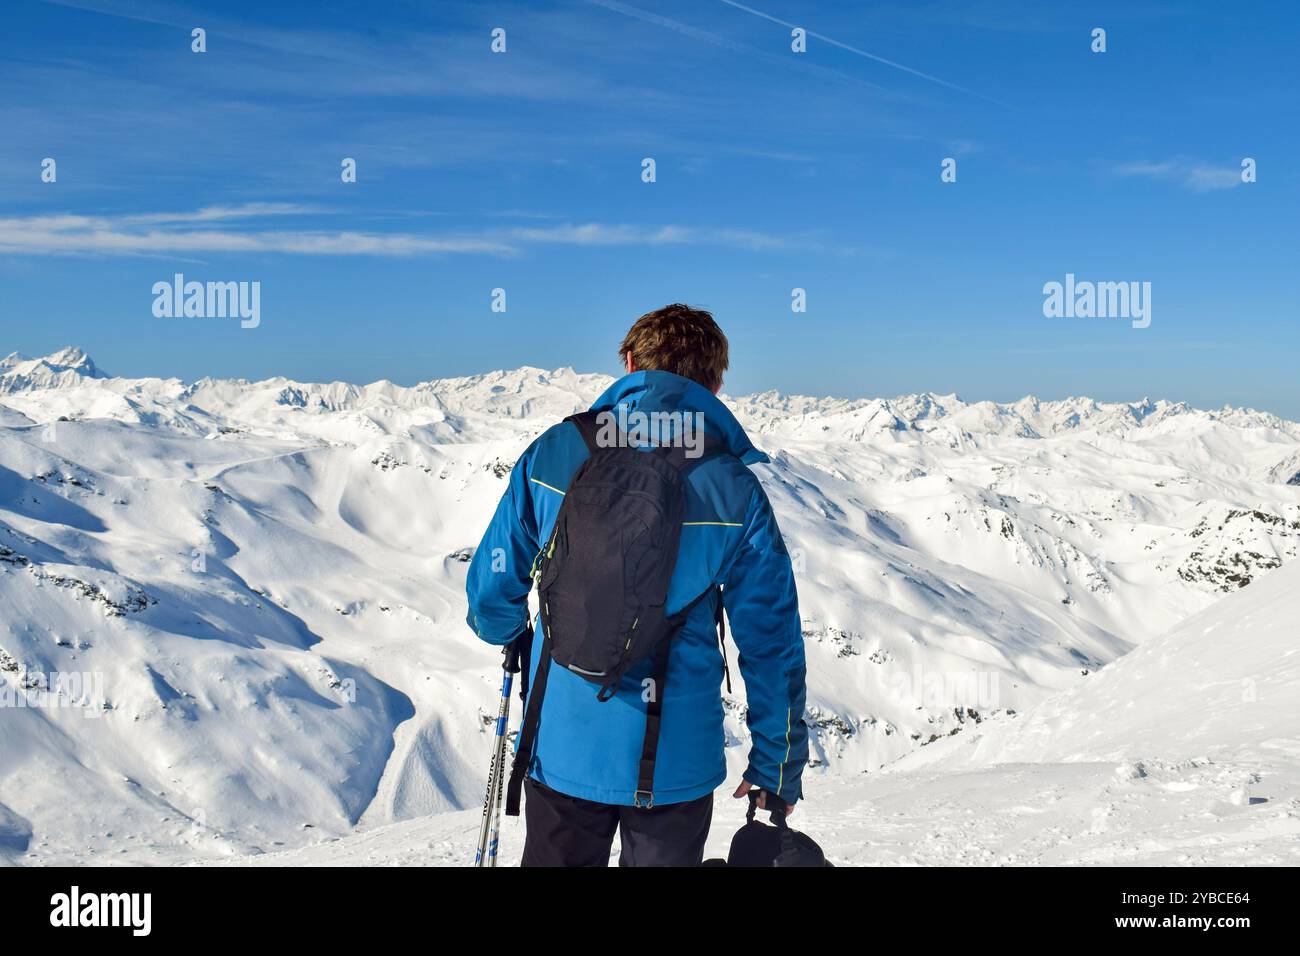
591, 749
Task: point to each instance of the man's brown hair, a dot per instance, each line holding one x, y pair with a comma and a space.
681, 340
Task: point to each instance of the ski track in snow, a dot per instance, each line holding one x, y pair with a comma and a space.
974, 580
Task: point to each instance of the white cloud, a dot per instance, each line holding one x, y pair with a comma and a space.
162, 234
1191, 174
218, 213
600, 234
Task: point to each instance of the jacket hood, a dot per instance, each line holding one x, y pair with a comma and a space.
655, 391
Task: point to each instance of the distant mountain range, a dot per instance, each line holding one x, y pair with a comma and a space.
266, 581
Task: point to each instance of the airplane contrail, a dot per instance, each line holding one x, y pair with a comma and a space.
728, 44
863, 53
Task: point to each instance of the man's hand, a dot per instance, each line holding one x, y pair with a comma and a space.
746, 786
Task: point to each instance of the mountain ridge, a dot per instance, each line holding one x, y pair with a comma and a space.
1027, 417
283, 563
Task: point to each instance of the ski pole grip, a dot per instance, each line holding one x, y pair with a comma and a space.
511, 655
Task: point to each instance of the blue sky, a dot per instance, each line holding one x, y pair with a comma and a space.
775, 170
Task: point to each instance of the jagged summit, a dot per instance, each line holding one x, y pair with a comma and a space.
57, 369
527, 390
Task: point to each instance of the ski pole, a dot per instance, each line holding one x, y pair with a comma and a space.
510, 667
490, 827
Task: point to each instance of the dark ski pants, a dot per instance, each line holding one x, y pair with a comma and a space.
568, 831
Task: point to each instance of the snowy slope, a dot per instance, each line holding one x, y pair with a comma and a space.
1222, 684
264, 581
1185, 751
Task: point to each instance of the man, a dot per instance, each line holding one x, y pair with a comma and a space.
583, 765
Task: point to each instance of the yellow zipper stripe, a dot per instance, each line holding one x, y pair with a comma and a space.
780, 777
545, 485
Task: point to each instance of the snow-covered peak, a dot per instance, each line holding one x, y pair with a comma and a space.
527, 391
512, 403
61, 369
71, 357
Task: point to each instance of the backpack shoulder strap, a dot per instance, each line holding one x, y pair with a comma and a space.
644, 797
587, 427
526, 741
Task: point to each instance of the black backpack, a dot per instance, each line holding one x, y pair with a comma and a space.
757, 844
602, 580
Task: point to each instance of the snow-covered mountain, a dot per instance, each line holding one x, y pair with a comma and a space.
262, 583
1186, 751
